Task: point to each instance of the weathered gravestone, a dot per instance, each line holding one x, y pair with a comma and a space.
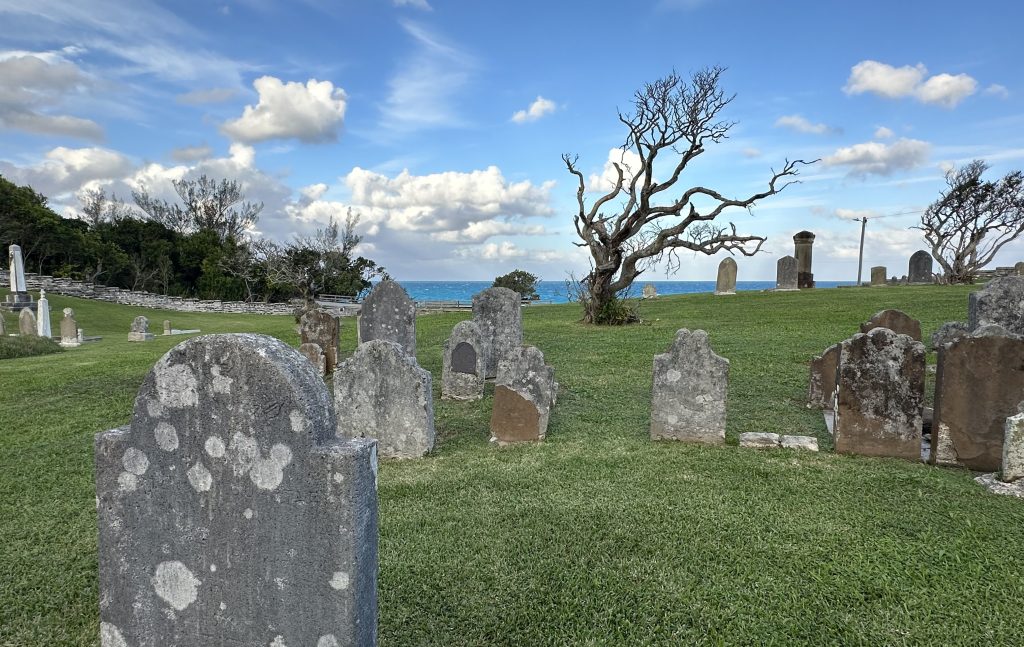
229, 513
464, 363
43, 328
27, 323
498, 312
69, 329
803, 243
1001, 302
786, 274
1013, 448
322, 328
689, 391
650, 291
167, 326
381, 392
821, 391
3, 326
879, 395
315, 355
524, 392
1018, 268
948, 333
895, 320
389, 314
19, 297
140, 329
878, 275
979, 381
726, 283
920, 270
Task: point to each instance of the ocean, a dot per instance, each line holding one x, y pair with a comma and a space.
555, 291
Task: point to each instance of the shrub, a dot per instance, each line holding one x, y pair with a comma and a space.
27, 346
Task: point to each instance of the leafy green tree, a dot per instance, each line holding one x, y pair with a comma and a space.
521, 281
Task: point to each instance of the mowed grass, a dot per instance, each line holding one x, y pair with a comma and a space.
597, 535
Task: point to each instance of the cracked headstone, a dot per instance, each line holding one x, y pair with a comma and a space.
498, 312
140, 329
895, 320
786, 274
27, 323
1001, 302
524, 392
464, 363
229, 512
689, 391
726, 283
315, 355
821, 390
389, 314
920, 270
69, 329
321, 328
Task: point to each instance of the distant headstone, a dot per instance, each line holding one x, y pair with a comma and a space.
650, 291
689, 391
878, 275
786, 274
323, 329
464, 363
920, 267
524, 392
19, 297
880, 395
499, 314
167, 326
140, 329
389, 314
821, 392
381, 392
895, 320
1018, 268
1001, 302
315, 355
948, 333
229, 513
27, 323
803, 243
726, 283
1013, 449
979, 381
3, 327
69, 329
43, 328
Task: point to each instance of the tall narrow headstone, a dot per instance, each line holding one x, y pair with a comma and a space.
167, 327
315, 355
323, 329
69, 329
381, 392
19, 297
3, 327
229, 512
1013, 449
803, 242
920, 270
1001, 302
498, 312
821, 391
464, 363
27, 323
389, 314
880, 395
689, 391
140, 329
524, 392
1018, 268
878, 275
786, 274
726, 283
43, 328
895, 320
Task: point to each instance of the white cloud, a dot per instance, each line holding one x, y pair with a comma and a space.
65, 170
476, 232
32, 85
210, 95
191, 153
507, 251
604, 182
422, 5
537, 109
946, 90
883, 133
998, 91
876, 158
801, 124
310, 113
313, 192
751, 152
854, 214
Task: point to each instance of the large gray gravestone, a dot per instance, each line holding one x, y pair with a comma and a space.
878, 275
381, 392
821, 390
1001, 302
689, 391
321, 328
139, 330
920, 270
880, 395
464, 363
229, 513
498, 312
69, 329
27, 323
524, 392
389, 314
726, 283
895, 320
786, 274
803, 242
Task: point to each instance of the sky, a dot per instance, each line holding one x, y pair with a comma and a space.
442, 123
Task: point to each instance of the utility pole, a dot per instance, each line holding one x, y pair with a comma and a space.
860, 259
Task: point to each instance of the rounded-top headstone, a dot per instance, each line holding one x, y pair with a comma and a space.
786, 273
464, 362
920, 270
389, 314
498, 312
726, 283
27, 323
689, 391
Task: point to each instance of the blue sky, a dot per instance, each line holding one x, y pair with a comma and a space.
443, 123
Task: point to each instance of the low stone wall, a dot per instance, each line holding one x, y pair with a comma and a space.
83, 290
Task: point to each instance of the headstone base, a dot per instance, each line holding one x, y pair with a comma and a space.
17, 301
805, 280
140, 336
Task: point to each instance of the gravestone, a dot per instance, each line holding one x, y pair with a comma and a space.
786, 274
167, 326
1018, 268
323, 329
140, 329
389, 314
498, 312
1001, 302
69, 329
19, 298
880, 395
650, 291
802, 244
878, 275
726, 283
3, 327
381, 392
920, 267
895, 320
464, 363
524, 392
1013, 449
229, 513
43, 328
689, 391
27, 323
821, 391
315, 355
948, 333
979, 381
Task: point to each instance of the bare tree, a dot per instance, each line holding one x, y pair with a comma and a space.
651, 223
206, 204
972, 220
98, 207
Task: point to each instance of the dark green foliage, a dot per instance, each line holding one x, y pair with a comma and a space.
521, 281
27, 346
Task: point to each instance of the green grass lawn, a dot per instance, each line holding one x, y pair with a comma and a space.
596, 536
